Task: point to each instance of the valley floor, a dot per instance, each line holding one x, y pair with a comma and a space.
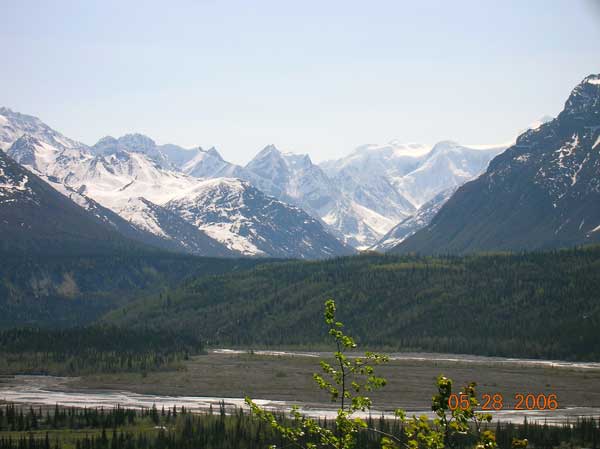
286, 377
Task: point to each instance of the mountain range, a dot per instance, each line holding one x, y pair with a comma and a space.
192, 200
541, 192
360, 197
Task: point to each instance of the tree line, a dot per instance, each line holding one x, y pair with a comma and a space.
95, 349
178, 428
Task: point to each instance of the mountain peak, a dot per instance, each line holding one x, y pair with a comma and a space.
106, 145
270, 164
394, 148
585, 98
268, 153
538, 123
213, 152
442, 146
8, 112
137, 142
269, 150
592, 79
540, 193
298, 160
106, 140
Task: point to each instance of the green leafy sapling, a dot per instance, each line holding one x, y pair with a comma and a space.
349, 381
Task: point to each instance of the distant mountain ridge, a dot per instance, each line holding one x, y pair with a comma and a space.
361, 197
132, 178
357, 199
543, 192
56, 166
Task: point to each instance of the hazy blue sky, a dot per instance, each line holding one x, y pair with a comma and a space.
310, 76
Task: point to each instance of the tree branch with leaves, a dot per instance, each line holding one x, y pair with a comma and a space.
349, 380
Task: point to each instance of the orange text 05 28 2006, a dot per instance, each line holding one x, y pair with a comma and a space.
496, 401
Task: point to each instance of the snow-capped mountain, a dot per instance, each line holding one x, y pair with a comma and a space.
413, 173
543, 192
134, 178
40, 157
355, 217
295, 178
167, 156
34, 217
250, 222
172, 231
210, 164
447, 165
387, 184
13, 125
358, 198
178, 156
240, 222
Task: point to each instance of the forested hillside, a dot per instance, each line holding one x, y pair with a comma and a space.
76, 289
529, 305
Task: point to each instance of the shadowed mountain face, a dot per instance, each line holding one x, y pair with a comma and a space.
37, 218
543, 192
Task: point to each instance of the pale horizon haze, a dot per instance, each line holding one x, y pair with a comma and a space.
310, 77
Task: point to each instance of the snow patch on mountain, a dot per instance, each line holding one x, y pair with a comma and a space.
11, 183
136, 211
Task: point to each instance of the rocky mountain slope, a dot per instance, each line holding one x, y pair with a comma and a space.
250, 222
543, 192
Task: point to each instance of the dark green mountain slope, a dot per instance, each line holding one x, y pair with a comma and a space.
543, 192
533, 304
62, 291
